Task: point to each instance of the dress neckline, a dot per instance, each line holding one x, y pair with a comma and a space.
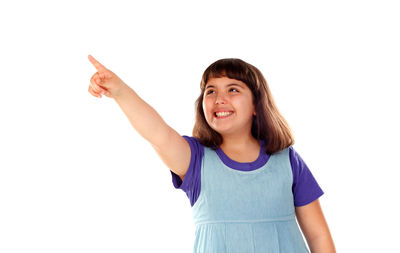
262, 159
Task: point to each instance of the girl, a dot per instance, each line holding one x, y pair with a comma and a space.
246, 183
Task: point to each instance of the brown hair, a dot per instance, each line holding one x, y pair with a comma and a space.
268, 124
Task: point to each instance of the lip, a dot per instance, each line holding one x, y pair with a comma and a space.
222, 110
222, 117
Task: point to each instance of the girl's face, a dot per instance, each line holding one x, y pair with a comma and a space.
228, 106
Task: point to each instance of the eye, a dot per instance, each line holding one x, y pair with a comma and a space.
233, 89
208, 92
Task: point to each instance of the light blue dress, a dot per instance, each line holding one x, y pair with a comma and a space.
246, 211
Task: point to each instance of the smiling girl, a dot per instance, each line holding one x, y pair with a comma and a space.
245, 182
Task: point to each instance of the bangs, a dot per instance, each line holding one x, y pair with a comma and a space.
229, 67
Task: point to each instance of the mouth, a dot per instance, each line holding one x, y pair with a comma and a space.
222, 115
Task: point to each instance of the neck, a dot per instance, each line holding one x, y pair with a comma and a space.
239, 143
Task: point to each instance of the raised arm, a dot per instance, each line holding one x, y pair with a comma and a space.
172, 148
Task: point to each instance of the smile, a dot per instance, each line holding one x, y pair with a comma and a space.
221, 115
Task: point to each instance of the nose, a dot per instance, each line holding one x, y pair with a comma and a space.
220, 99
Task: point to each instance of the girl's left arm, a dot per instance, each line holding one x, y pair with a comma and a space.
315, 228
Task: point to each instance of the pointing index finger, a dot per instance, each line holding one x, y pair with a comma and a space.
96, 64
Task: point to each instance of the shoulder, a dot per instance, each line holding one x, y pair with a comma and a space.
297, 161
195, 146
295, 158
299, 167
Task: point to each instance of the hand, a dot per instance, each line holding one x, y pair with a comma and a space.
104, 81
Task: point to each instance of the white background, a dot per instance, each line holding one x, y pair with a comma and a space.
76, 177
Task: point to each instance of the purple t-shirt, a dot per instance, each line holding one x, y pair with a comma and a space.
305, 188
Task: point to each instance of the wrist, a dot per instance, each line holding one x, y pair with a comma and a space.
122, 89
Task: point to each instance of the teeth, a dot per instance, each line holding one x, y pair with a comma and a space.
221, 114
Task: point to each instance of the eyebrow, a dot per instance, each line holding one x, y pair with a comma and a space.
229, 85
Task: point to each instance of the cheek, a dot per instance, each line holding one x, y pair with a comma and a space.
244, 104
207, 103
206, 106
239, 102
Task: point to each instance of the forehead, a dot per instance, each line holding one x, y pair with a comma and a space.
224, 81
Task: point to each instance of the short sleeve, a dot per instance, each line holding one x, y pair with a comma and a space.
192, 181
305, 187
